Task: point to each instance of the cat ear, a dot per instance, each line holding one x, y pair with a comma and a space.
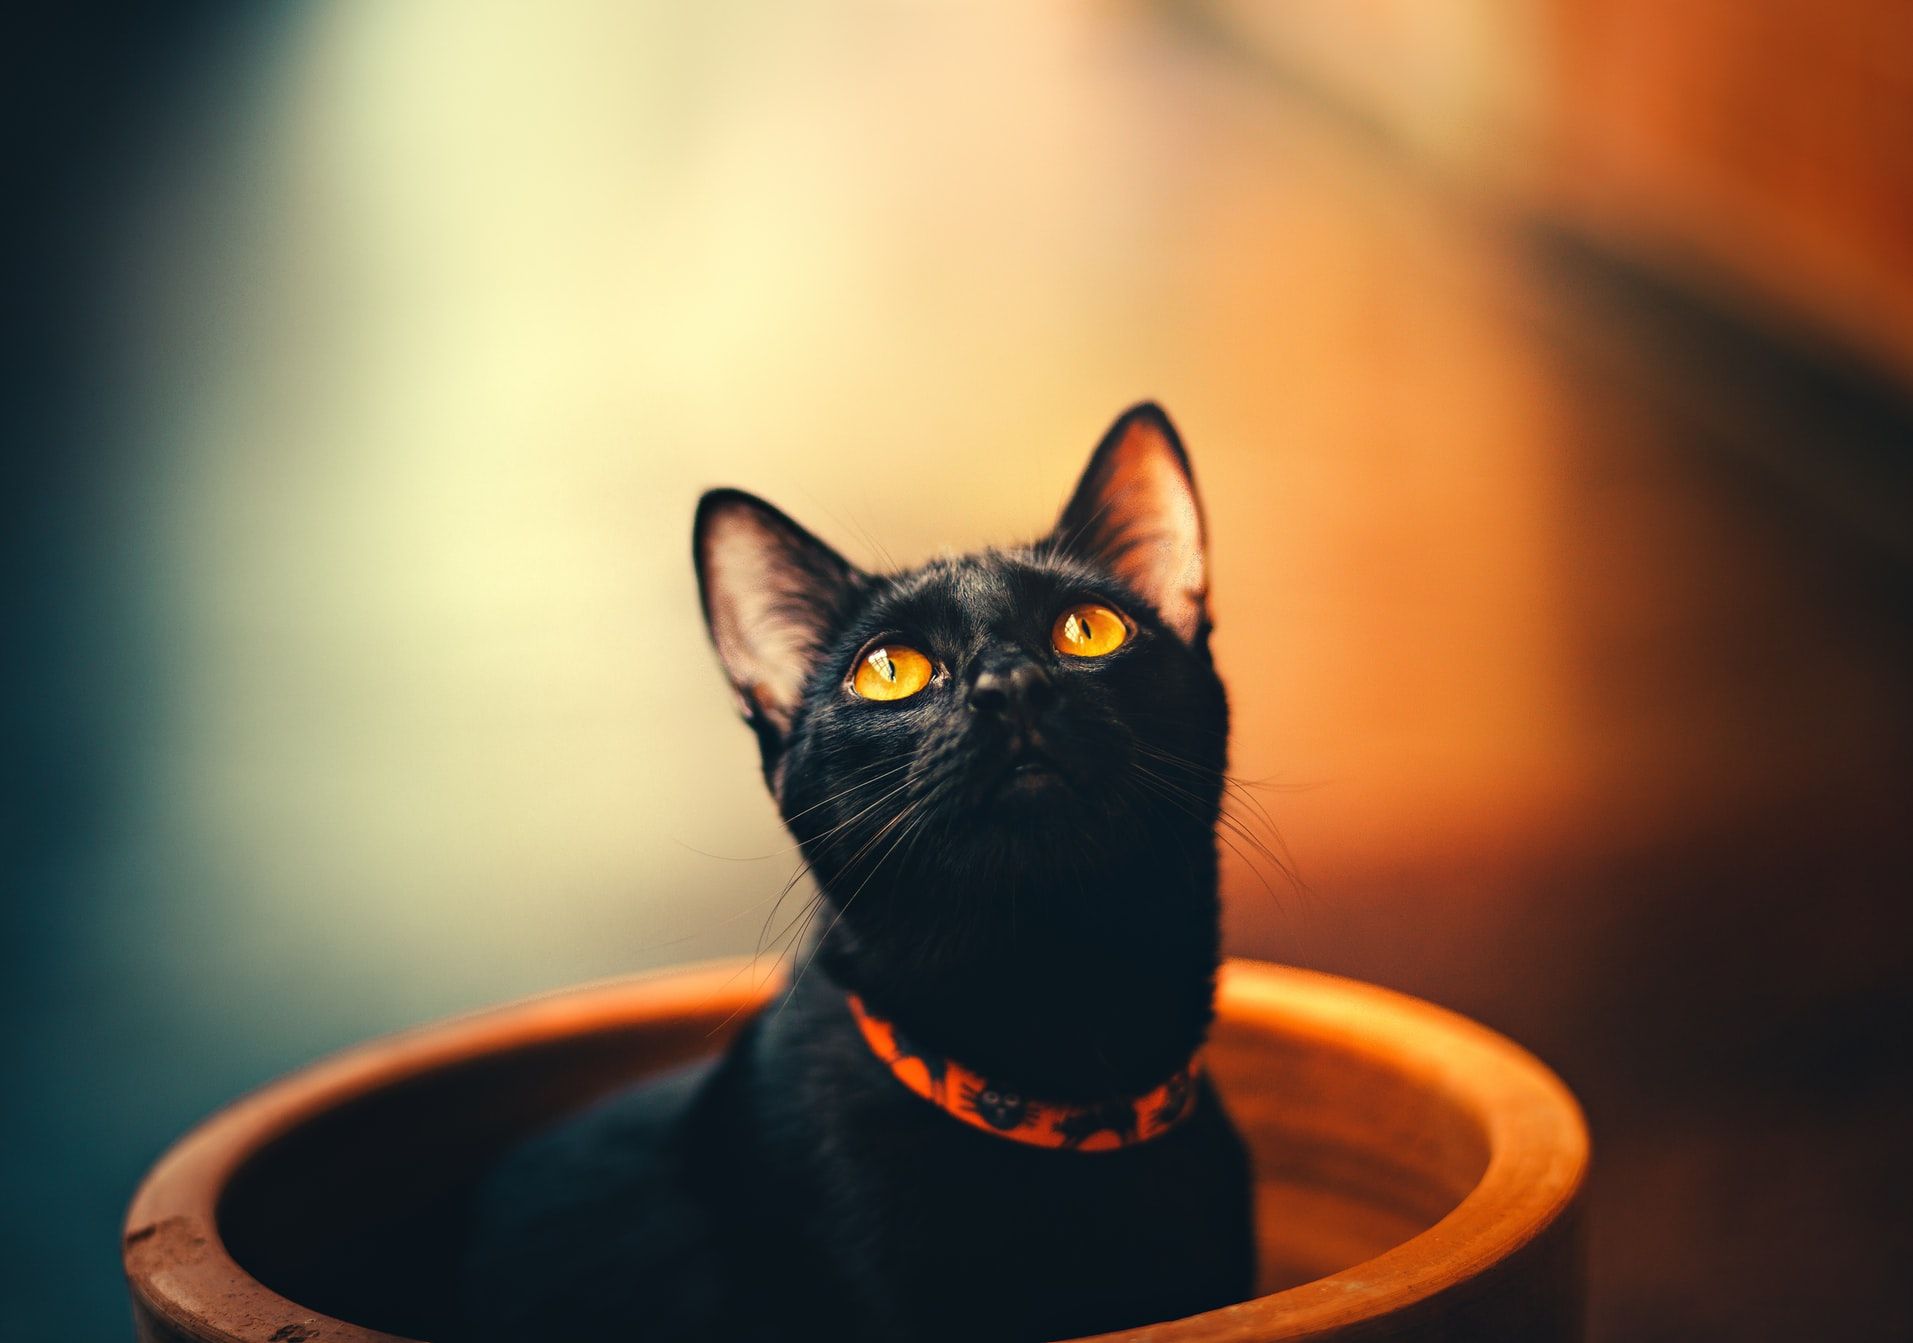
1136, 513
771, 592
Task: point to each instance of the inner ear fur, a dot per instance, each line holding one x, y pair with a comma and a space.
1136, 512
771, 593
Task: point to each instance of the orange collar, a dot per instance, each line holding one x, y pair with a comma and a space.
974, 1099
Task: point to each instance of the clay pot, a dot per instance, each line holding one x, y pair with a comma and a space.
1419, 1177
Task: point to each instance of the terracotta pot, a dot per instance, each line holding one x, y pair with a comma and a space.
1419, 1177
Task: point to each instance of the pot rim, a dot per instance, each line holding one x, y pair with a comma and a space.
179, 1269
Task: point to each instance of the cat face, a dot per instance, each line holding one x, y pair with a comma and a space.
998, 1107
1049, 709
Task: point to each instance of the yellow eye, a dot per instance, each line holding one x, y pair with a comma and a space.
891, 672
1088, 630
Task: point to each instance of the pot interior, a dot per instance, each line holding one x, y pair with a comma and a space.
357, 1212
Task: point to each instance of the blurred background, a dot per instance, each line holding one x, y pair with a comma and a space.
1547, 367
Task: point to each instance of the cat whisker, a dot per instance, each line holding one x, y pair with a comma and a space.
801, 926
851, 524
804, 867
749, 967
1187, 803
1226, 820
876, 774
1063, 545
1180, 727
880, 775
861, 812
1237, 792
767, 941
914, 815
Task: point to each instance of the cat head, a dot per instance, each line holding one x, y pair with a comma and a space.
1042, 714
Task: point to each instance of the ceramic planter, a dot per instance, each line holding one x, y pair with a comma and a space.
1419, 1177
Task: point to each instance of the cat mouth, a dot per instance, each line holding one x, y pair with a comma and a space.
1031, 770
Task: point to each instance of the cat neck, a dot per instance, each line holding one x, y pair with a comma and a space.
1049, 995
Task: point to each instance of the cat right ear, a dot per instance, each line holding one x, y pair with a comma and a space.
1135, 510
771, 593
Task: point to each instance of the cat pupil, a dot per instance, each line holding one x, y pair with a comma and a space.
885, 667
1077, 629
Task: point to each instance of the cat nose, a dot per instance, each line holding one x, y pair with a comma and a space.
1020, 691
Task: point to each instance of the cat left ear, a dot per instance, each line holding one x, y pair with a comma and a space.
1135, 512
771, 594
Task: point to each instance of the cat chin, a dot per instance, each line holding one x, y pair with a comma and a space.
1030, 793
1033, 784
1032, 777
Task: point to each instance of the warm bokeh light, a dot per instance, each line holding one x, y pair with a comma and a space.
488, 302
480, 301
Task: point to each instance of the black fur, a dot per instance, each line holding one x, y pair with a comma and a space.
1056, 931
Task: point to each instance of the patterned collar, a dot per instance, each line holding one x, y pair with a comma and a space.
980, 1103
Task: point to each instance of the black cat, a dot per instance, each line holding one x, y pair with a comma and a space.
1005, 772
999, 1107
